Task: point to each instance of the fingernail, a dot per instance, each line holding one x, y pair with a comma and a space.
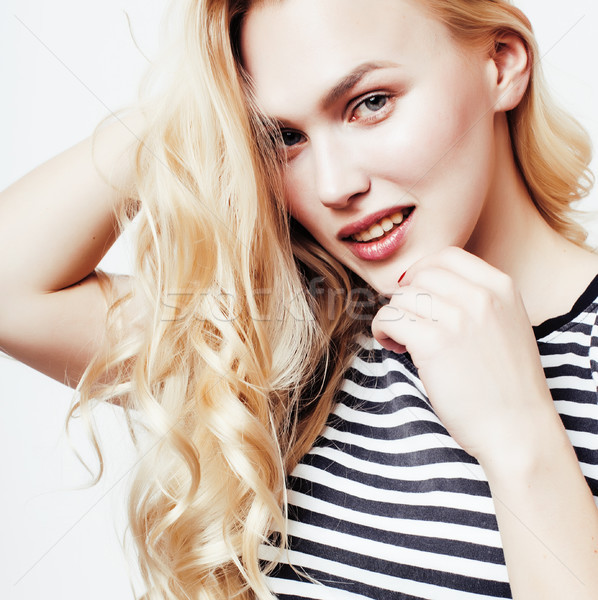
401, 277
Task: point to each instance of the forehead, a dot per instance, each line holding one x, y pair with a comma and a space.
295, 49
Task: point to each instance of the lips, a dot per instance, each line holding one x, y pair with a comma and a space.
383, 247
367, 222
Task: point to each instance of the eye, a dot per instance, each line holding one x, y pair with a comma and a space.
290, 137
369, 106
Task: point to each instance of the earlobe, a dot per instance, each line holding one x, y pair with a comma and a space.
513, 68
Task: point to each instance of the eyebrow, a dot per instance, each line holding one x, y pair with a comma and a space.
350, 80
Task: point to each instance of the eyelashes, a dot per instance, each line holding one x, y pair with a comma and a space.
367, 110
290, 137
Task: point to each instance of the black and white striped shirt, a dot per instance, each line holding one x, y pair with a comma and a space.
387, 505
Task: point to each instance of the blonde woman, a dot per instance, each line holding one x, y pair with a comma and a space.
343, 339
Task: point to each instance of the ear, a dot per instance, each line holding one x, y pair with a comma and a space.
512, 71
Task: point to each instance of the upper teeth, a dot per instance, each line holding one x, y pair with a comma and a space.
379, 229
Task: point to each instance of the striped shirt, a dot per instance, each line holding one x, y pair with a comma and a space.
387, 505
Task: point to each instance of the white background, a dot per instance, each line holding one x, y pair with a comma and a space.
63, 66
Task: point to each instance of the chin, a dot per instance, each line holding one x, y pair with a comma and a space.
384, 284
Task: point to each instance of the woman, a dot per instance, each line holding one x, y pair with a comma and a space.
424, 167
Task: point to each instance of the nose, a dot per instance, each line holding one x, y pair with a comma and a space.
339, 174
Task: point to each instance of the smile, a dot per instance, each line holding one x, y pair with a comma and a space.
382, 227
386, 243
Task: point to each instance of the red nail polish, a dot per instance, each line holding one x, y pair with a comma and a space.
401, 277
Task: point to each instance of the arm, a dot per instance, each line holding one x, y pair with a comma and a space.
478, 360
547, 518
56, 224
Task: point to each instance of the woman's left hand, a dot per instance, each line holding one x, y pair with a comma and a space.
466, 328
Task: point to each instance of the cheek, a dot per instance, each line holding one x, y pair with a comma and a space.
433, 137
298, 198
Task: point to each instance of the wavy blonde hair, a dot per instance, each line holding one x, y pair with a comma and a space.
236, 359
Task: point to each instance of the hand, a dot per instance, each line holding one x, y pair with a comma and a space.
466, 328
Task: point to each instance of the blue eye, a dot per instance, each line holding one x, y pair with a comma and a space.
375, 103
291, 138
368, 108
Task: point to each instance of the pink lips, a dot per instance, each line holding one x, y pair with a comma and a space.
368, 221
382, 247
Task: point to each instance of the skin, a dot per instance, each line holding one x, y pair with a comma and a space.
457, 168
433, 133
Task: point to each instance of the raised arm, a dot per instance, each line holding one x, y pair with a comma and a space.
56, 224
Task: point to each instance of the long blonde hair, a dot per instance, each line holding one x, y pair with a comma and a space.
235, 364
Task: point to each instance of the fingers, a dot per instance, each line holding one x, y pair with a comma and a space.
469, 267
443, 297
433, 281
434, 284
415, 319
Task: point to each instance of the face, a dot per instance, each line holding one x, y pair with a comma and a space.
380, 111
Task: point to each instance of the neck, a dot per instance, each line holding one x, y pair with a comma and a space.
549, 271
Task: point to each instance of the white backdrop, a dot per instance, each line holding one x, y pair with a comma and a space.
63, 66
